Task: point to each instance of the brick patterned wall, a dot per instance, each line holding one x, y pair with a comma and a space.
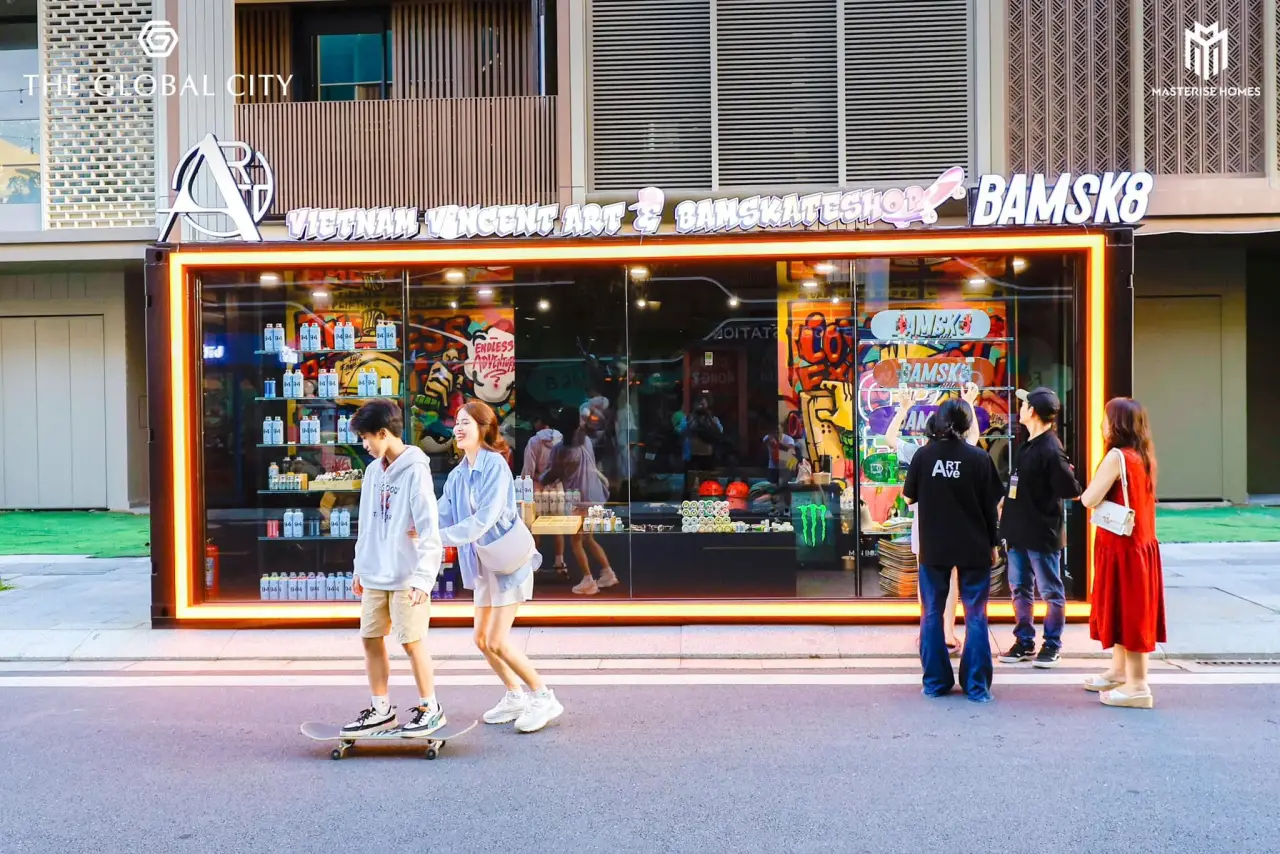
100, 169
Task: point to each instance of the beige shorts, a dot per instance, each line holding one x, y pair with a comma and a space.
489, 595
384, 611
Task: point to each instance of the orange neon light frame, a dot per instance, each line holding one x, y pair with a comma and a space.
781, 247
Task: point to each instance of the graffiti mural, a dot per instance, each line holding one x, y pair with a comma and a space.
816, 379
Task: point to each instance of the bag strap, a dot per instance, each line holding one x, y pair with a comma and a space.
1124, 476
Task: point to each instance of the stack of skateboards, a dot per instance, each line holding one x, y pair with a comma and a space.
899, 569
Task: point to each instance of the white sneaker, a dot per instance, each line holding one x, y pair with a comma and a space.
542, 710
512, 706
608, 578
587, 587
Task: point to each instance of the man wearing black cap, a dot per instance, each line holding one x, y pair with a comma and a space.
1040, 478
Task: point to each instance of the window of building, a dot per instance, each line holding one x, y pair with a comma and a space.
353, 66
19, 115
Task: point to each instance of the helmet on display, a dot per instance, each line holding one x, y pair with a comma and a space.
738, 494
710, 489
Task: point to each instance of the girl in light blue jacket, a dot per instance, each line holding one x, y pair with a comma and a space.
479, 506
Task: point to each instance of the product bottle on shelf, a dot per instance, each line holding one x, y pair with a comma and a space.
380, 335
273, 476
263, 585
268, 431
342, 429
392, 336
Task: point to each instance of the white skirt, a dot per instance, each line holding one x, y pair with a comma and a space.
489, 595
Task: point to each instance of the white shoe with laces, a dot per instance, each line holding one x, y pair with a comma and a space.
543, 709
511, 707
608, 578
586, 587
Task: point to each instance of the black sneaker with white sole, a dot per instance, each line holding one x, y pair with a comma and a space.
424, 721
370, 722
1020, 651
1047, 658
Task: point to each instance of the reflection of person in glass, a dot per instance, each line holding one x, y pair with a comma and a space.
906, 449
479, 506
573, 466
705, 433
537, 462
958, 490
778, 445
1031, 524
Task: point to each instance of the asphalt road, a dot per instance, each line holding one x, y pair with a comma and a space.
647, 769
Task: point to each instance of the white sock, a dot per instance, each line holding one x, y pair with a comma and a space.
382, 705
428, 702
545, 692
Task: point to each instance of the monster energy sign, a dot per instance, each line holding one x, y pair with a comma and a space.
813, 524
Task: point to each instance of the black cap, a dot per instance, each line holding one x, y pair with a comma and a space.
1042, 401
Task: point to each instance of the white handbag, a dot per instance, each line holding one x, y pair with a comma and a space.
1117, 518
509, 552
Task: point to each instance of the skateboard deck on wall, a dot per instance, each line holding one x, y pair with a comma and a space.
934, 372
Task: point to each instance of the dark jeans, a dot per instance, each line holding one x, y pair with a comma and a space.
975, 661
1045, 570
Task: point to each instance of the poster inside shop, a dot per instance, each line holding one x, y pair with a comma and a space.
931, 350
816, 382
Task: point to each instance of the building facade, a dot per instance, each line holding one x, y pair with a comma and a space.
430, 103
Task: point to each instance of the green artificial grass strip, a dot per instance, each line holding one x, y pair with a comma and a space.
75, 533
1219, 525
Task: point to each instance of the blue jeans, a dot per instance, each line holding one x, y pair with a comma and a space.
975, 661
1045, 570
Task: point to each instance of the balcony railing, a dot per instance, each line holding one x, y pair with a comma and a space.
406, 152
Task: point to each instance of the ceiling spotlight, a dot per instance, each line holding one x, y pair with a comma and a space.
835, 300
320, 294
453, 303
809, 283
642, 303
733, 302
268, 280
977, 281
455, 276
1019, 264
544, 305
824, 268
638, 272
485, 292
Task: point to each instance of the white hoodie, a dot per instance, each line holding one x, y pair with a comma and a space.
537, 453
395, 500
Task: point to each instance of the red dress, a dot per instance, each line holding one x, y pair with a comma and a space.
1128, 582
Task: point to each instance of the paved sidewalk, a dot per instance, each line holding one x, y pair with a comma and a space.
1223, 602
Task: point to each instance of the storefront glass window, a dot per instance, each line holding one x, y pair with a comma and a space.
690, 430
19, 122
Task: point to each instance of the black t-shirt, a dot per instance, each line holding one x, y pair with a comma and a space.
957, 488
1033, 520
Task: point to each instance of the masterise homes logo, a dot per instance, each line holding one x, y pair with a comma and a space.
1206, 54
157, 40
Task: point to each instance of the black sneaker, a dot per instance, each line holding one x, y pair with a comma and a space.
1020, 651
1048, 657
370, 722
424, 722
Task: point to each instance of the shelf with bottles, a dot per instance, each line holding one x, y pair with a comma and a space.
307, 433
323, 538
306, 587
325, 351
312, 445
311, 339
282, 480
300, 526
328, 386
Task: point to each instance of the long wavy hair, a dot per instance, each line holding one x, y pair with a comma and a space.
1129, 427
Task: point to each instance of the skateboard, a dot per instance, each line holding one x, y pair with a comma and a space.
434, 743
934, 372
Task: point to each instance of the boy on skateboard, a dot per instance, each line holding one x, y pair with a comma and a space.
398, 553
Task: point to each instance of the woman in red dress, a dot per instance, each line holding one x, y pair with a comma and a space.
1128, 585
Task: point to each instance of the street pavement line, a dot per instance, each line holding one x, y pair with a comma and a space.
305, 680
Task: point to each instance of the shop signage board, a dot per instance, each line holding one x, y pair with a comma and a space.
1112, 198
238, 187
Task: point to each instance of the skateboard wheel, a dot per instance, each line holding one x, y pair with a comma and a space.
431, 753
335, 754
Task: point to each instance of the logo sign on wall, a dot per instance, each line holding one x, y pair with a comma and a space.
1205, 54
222, 169
1112, 198
941, 324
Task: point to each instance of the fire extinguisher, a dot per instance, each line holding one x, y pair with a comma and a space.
210, 570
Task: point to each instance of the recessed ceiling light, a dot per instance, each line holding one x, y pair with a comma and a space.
835, 300
320, 294
1019, 264
826, 268
268, 280
639, 272
733, 302
453, 303
977, 281
455, 276
544, 305
485, 292
641, 303
809, 283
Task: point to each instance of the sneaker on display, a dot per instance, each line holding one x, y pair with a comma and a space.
511, 707
370, 722
1020, 651
543, 709
608, 578
424, 721
586, 587
1047, 658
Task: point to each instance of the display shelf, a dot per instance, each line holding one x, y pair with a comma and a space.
313, 445
931, 342
306, 539
323, 352
314, 400
306, 492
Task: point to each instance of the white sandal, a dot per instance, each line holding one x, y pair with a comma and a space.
1100, 683
1119, 699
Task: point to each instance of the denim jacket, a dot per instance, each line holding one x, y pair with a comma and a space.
490, 489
